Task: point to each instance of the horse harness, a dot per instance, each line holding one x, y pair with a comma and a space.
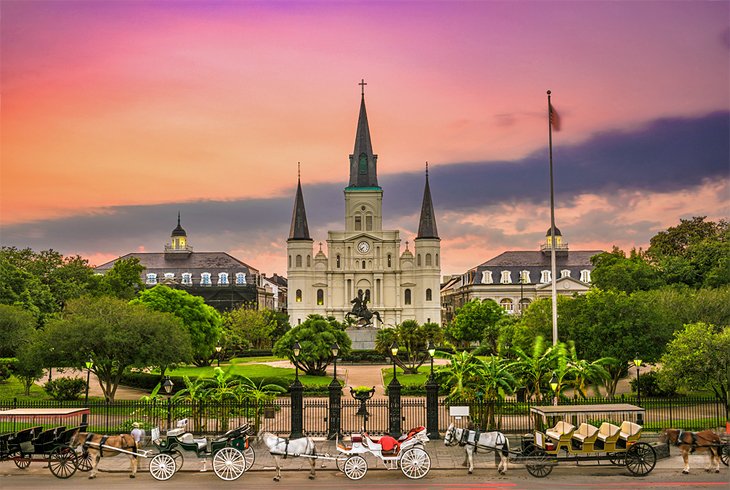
680, 440
464, 440
102, 442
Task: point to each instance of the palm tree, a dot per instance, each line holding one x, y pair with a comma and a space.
498, 381
585, 372
536, 367
462, 376
194, 392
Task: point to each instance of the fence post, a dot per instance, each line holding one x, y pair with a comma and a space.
297, 408
335, 409
432, 408
394, 389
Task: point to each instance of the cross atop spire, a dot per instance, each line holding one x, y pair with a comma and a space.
427, 222
362, 86
427, 169
363, 162
299, 229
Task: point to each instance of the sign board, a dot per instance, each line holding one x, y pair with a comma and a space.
269, 413
459, 411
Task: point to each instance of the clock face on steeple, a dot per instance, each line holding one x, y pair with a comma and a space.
363, 247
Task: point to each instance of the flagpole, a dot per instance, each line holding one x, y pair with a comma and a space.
552, 227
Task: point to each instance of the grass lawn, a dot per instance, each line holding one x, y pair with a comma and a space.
13, 388
252, 371
406, 379
246, 360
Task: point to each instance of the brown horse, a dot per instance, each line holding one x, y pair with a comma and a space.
93, 442
690, 442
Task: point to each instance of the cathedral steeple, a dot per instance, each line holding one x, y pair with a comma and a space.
299, 229
363, 163
427, 223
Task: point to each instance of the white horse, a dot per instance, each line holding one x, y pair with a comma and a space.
278, 446
493, 441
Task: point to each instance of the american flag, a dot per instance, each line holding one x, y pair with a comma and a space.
554, 118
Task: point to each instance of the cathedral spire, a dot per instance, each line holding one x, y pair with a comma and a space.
299, 229
363, 163
427, 223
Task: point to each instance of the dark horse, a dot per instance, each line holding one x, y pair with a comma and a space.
360, 308
93, 444
689, 442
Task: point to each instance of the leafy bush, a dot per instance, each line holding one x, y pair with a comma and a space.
368, 355
148, 381
65, 388
7, 367
649, 383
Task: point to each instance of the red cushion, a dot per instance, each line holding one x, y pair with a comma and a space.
388, 443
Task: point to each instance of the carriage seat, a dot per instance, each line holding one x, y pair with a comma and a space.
586, 436
188, 440
561, 432
629, 431
411, 433
176, 432
608, 432
386, 444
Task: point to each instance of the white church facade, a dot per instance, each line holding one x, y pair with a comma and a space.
363, 259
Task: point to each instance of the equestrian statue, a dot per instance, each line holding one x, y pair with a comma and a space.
360, 309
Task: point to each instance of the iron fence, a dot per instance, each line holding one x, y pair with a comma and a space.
207, 417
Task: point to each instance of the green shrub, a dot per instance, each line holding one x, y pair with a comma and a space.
367, 355
6, 368
649, 384
65, 388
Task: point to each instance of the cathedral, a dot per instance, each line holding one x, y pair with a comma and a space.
364, 264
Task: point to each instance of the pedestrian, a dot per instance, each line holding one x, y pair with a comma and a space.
137, 433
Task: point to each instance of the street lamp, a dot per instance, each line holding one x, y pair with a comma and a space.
394, 353
89, 365
554, 387
296, 349
167, 386
50, 368
218, 349
637, 363
335, 349
431, 353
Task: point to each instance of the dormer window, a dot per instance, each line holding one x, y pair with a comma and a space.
564, 273
506, 277
487, 277
205, 279
241, 278
187, 279
545, 277
222, 278
525, 277
585, 275
151, 278
169, 276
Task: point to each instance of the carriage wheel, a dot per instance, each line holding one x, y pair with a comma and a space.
415, 463
84, 462
537, 463
725, 454
617, 459
250, 456
340, 462
229, 463
21, 461
162, 467
640, 459
355, 467
62, 462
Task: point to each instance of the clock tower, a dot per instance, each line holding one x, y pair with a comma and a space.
363, 259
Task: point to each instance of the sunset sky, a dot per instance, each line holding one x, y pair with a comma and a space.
118, 114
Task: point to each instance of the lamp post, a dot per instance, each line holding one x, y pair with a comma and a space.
218, 349
335, 393
50, 367
554, 387
167, 386
394, 389
297, 398
637, 363
89, 365
432, 393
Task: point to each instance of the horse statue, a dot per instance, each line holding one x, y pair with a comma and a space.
360, 308
98, 446
278, 446
473, 440
689, 442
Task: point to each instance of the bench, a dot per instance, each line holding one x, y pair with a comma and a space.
586, 436
629, 433
608, 435
561, 434
190, 444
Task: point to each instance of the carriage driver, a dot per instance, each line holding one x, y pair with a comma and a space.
137, 434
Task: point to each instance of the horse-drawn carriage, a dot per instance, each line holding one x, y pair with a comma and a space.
50, 446
579, 441
231, 453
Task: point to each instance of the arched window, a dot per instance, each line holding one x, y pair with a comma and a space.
358, 222
418, 260
368, 223
428, 294
299, 296
187, 278
525, 277
222, 278
390, 261
298, 261
338, 261
564, 273
363, 264
524, 303
506, 303
545, 277
151, 278
290, 261
437, 260
428, 259
407, 299
205, 279
506, 277
320, 297
240, 278
309, 261
169, 276
585, 275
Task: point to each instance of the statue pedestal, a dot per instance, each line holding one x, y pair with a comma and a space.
362, 338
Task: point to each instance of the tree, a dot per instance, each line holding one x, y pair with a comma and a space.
614, 271
202, 321
245, 328
476, 321
16, 326
534, 367
462, 377
412, 340
698, 358
497, 381
124, 279
21, 288
30, 365
315, 335
116, 335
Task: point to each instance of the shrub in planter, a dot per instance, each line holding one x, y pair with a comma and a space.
65, 388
